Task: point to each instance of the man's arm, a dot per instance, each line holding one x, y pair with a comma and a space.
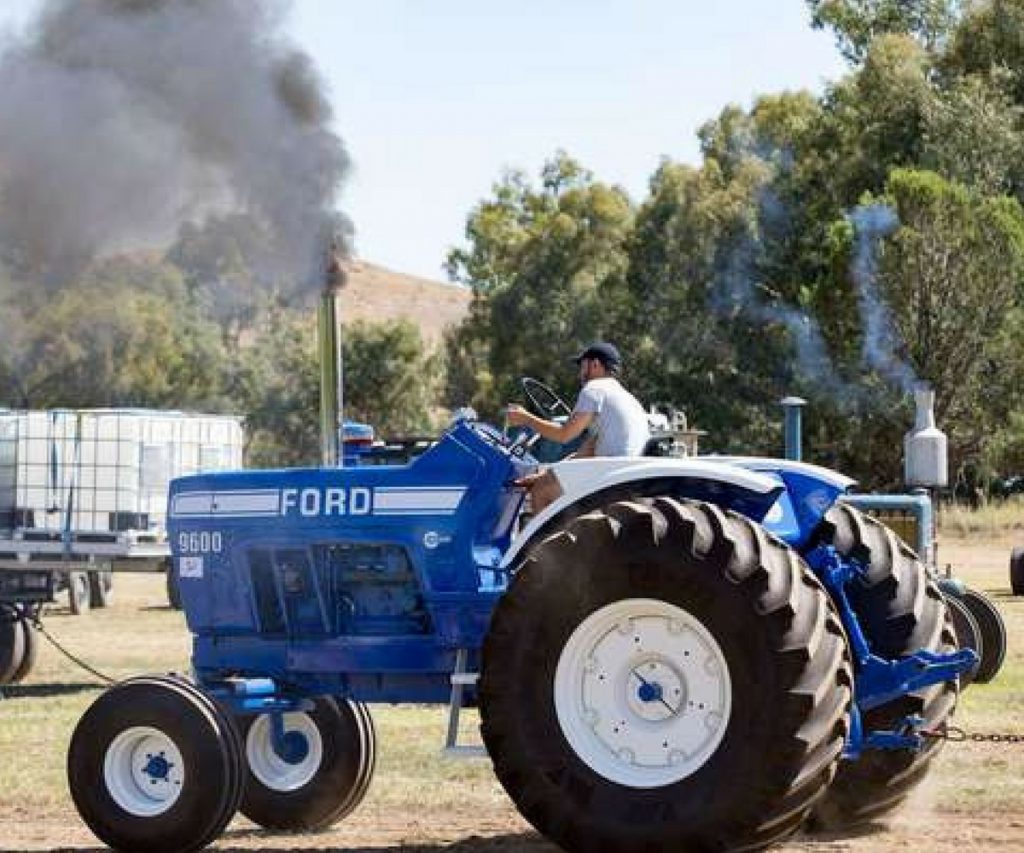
562, 433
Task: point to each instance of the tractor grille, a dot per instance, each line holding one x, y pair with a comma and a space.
337, 589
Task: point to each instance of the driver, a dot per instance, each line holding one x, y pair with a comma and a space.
617, 421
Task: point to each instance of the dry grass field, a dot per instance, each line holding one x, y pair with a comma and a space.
972, 801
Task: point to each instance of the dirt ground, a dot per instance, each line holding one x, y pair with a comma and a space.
973, 800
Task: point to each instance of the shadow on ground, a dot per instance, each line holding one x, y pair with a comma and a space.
44, 691
250, 841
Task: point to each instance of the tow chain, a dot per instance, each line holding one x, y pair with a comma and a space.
955, 734
37, 623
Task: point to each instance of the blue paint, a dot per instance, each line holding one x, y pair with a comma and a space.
881, 680
157, 767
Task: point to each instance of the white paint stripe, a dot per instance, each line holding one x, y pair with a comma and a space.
226, 504
192, 503
414, 512
416, 499
256, 502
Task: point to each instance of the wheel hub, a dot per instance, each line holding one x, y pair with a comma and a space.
643, 693
144, 771
289, 761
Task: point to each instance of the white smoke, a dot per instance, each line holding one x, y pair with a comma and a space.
881, 345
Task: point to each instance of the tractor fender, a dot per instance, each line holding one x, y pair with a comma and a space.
587, 483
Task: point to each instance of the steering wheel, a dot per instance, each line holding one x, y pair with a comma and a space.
544, 401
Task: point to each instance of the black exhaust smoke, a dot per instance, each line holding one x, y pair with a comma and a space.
122, 119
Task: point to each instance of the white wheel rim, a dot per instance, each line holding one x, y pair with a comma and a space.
643, 693
271, 769
144, 771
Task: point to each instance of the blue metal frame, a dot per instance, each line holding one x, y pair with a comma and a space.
880, 680
367, 582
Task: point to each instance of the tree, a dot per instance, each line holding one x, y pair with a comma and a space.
953, 274
858, 22
391, 382
126, 334
547, 266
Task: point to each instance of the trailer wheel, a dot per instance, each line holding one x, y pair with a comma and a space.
31, 650
101, 588
993, 634
154, 766
900, 610
78, 592
968, 635
325, 776
12, 643
1017, 571
663, 676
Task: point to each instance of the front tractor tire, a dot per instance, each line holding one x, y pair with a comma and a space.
155, 766
326, 775
664, 676
901, 610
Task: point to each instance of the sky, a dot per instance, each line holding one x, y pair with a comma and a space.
435, 100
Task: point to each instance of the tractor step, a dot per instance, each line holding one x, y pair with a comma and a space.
460, 680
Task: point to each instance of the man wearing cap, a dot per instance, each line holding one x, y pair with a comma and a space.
617, 421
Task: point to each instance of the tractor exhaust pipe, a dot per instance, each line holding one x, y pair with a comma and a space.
331, 375
925, 463
792, 427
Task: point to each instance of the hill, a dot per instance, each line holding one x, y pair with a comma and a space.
377, 294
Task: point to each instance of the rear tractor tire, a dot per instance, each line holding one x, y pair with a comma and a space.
968, 635
901, 610
155, 766
664, 676
993, 634
326, 775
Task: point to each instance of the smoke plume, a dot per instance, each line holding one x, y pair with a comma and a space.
737, 290
881, 344
122, 119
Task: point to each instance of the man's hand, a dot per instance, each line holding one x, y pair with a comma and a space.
562, 433
527, 481
517, 415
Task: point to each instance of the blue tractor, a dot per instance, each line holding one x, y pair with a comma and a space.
678, 654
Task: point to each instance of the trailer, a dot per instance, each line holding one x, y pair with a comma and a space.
83, 494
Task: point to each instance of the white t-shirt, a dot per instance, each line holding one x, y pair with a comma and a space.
620, 421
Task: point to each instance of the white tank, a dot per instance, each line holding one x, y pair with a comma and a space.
924, 447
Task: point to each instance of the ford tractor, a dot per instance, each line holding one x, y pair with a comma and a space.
679, 654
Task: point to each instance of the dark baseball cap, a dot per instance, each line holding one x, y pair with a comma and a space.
606, 353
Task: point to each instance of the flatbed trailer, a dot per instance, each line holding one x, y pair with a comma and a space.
83, 494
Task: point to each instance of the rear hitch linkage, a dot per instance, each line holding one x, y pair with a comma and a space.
880, 680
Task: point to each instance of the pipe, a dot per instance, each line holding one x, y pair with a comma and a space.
331, 367
793, 428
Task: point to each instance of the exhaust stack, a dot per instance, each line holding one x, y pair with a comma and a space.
793, 428
331, 375
925, 462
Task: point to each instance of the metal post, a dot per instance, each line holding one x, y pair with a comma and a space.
792, 407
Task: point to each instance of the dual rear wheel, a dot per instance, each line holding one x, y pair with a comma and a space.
688, 680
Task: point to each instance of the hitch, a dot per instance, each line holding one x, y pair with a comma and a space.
880, 680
